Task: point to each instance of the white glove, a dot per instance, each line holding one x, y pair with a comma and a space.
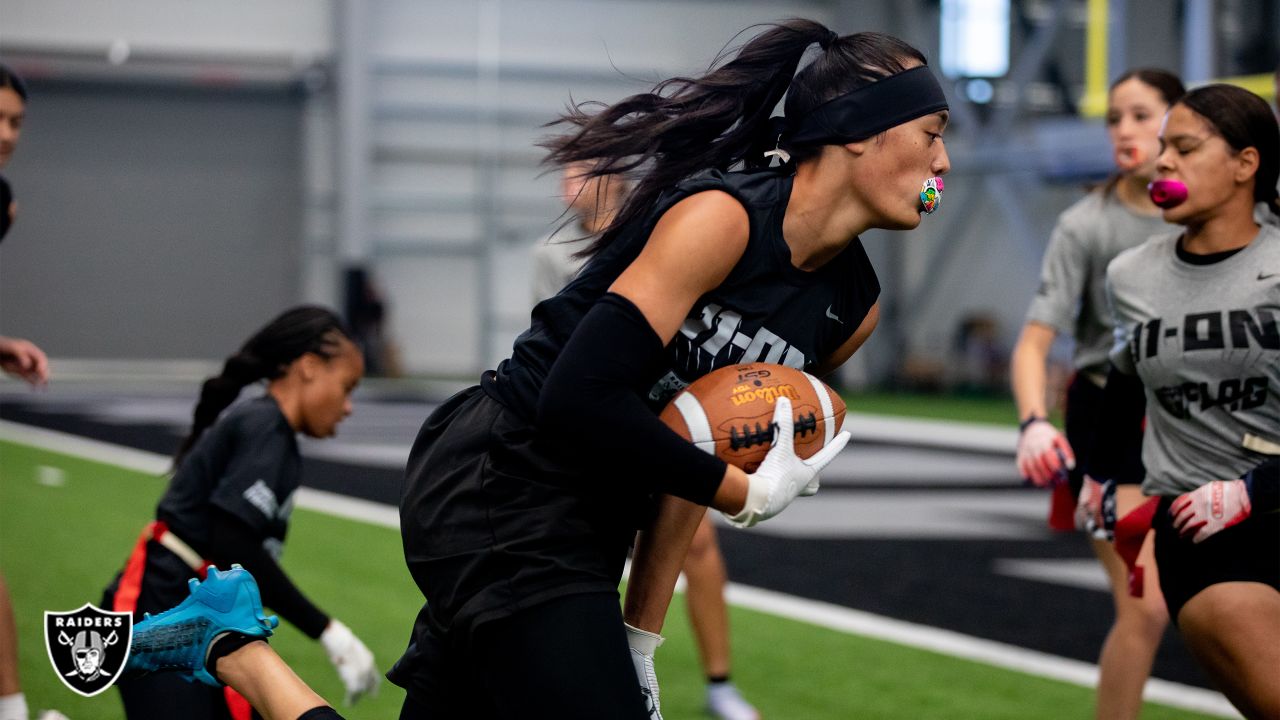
51, 715
1210, 508
1043, 453
783, 475
13, 707
352, 660
1096, 509
643, 644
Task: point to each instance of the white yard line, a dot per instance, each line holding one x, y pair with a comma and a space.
828, 615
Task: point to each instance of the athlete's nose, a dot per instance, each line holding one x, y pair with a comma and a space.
942, 163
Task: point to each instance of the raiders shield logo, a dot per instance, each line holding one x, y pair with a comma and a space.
88, 647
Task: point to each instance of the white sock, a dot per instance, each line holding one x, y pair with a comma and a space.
13, 707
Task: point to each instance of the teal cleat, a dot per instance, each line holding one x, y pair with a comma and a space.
178, 639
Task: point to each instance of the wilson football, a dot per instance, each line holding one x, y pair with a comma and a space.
729, 412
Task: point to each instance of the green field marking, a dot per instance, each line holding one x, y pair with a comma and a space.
60, 544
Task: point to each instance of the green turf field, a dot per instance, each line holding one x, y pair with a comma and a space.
60, 544
990, 410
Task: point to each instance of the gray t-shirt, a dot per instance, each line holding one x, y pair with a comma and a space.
1205, 340
1072, 297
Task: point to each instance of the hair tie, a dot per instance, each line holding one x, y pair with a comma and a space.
777, 131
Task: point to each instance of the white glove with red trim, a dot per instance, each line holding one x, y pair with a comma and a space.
1096, 509
1044, 455
1210, 509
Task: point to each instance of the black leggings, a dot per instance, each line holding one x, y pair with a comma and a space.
565, 658
166, 695
320, 713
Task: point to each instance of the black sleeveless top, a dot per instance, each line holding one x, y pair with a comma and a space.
765, 310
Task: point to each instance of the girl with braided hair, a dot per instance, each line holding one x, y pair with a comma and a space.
522, 494
231, 494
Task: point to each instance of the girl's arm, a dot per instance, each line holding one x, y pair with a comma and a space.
589, 402
235, 542
1030, 357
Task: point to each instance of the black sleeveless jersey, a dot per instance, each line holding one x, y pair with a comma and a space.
765, 310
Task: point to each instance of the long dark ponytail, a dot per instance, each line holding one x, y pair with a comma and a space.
684, 125
265, 356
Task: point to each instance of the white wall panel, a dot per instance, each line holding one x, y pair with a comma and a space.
301, 28
427, 299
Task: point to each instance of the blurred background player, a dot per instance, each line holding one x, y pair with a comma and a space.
1072, 301
231, 496
593, 203
1198, 353
21, 359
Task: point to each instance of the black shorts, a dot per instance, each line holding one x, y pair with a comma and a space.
493, 526
1084, 401
1248, 552
565, 659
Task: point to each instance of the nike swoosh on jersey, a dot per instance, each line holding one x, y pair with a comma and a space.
833, 315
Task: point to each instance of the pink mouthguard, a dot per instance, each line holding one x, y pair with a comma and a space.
1167, 193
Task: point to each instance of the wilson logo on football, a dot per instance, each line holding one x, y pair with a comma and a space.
88, 647
744, 395
753, 375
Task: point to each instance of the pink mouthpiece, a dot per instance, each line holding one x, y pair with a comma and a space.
1167, 193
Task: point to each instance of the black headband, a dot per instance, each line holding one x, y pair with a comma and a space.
869, 110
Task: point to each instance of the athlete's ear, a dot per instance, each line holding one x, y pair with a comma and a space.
1247, 161
308, 365
857, 148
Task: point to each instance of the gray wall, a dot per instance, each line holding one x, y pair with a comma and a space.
152, 223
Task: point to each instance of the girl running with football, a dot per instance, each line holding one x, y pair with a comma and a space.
593, 202
523, 493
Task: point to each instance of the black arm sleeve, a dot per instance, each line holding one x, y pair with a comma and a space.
1264, 486
1117, 444
591, 399
234, 541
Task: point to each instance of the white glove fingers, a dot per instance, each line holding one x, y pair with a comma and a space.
829, 452
1067, 454
1050, 465
1027, 469
1183, 516
1191, 528
1039, 471
782, 420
